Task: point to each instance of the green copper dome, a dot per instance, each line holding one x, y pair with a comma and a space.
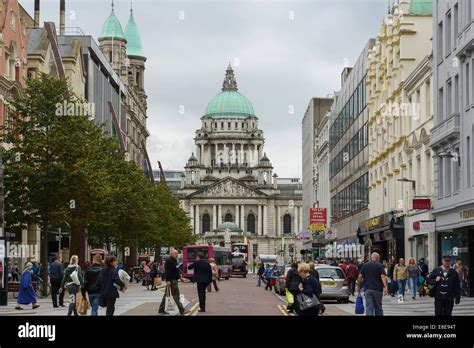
112, 28
134, 41
228, 226
421, 7
229, 103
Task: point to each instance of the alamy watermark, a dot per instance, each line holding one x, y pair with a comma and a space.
345, 251
68, 108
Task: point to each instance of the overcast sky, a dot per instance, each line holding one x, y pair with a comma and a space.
286, 52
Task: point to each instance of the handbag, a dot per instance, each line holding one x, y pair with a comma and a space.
170, 306
306, 302
157, 281
82, 304
359, 307
75, 277
421, 280
290, 299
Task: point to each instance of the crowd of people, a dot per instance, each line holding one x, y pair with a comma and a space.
98, 284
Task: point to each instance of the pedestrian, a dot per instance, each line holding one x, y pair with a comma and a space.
393, 283
260, 273
352, 274
447, 289
202, 277
268, 277
413, 275
463, 275
215, 275
56, 273
26, 292
423, 267
154, 273
91, 283
344, 266
310, 287
313, 271
172, 275
72, 282
400, 275
375, 279
15, 272
292, 282
108, 282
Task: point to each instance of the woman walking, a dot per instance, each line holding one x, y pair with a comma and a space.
292, 282
215, 275
310, 288
413, 275
73, 282
109, 280
26, 293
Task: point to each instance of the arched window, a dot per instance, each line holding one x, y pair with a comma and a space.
251, 223
228, 218
206, 223
287, 223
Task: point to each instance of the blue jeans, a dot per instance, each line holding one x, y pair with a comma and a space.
401, 287
373, 303
94, 298
412, 285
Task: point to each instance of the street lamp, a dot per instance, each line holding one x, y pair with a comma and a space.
413, 183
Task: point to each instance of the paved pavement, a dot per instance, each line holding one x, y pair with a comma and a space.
135, 301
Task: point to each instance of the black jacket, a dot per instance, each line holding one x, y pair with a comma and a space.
261, 270
107, 278
449, 287
171, 270
202, 271
423, 269
91, 278
293, 279
56, 270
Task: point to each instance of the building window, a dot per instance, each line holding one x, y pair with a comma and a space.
448, 177
440, 42
287, 223
440, 105
448, 34
206, 223
456, 94
468, 161
457, 172
468, 93
449, 98
228, 218
440, 177
251, 223
456, 23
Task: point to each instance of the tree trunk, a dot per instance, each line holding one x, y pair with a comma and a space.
78, 244
44, 256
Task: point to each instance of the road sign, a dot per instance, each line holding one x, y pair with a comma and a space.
317, 216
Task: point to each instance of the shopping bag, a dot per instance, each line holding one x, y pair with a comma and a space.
421, 280
289, 297
170, 306
82, 305
157, 281
75, 277
359, 308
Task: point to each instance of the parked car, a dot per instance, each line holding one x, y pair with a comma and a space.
239, 267
281, 280
334, 284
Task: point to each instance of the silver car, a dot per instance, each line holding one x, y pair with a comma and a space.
334, 284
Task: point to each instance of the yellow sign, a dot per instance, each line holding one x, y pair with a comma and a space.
317, 227
372, 222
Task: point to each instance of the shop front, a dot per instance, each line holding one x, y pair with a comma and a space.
384, 234
420, 237
455, 237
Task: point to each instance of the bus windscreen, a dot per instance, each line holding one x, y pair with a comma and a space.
192, 252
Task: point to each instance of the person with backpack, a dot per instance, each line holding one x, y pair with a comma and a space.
260, 273
91, 283
423, 267
73, 282
352, 274
445, 288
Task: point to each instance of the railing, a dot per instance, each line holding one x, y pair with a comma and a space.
76, 31
446, 129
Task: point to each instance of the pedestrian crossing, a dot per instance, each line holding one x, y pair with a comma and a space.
419, 307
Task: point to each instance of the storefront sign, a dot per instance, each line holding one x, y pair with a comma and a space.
421, 203
317, 216
330, 233
304, 235
373, 223
424, 226
467, 214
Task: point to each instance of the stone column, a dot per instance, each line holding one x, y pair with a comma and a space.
214, 217
300, 219
242, 218
265, 215
259, 220
216, 154
198, 220
255, 153
234, 153
191, 215
296, 219
278, 232
225, 154
236, 220
219, 215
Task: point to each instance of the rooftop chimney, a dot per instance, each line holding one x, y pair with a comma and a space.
37, 13
62, 17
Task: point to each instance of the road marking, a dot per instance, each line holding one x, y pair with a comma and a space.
282, 310
193, 310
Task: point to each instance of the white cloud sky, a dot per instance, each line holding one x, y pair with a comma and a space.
288, 52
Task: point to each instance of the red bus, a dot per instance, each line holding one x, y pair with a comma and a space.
222, 256
239, 249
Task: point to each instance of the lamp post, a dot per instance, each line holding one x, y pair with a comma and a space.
413, 185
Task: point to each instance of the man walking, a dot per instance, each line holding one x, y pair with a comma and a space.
448, 289
91, 283
202, 277
400, 275
56, 273
172, 276
351, 274
373, 273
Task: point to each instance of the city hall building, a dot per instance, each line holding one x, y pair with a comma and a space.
229, 188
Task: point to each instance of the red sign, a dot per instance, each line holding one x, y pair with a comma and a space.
416, 225
421, 203
317, 216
